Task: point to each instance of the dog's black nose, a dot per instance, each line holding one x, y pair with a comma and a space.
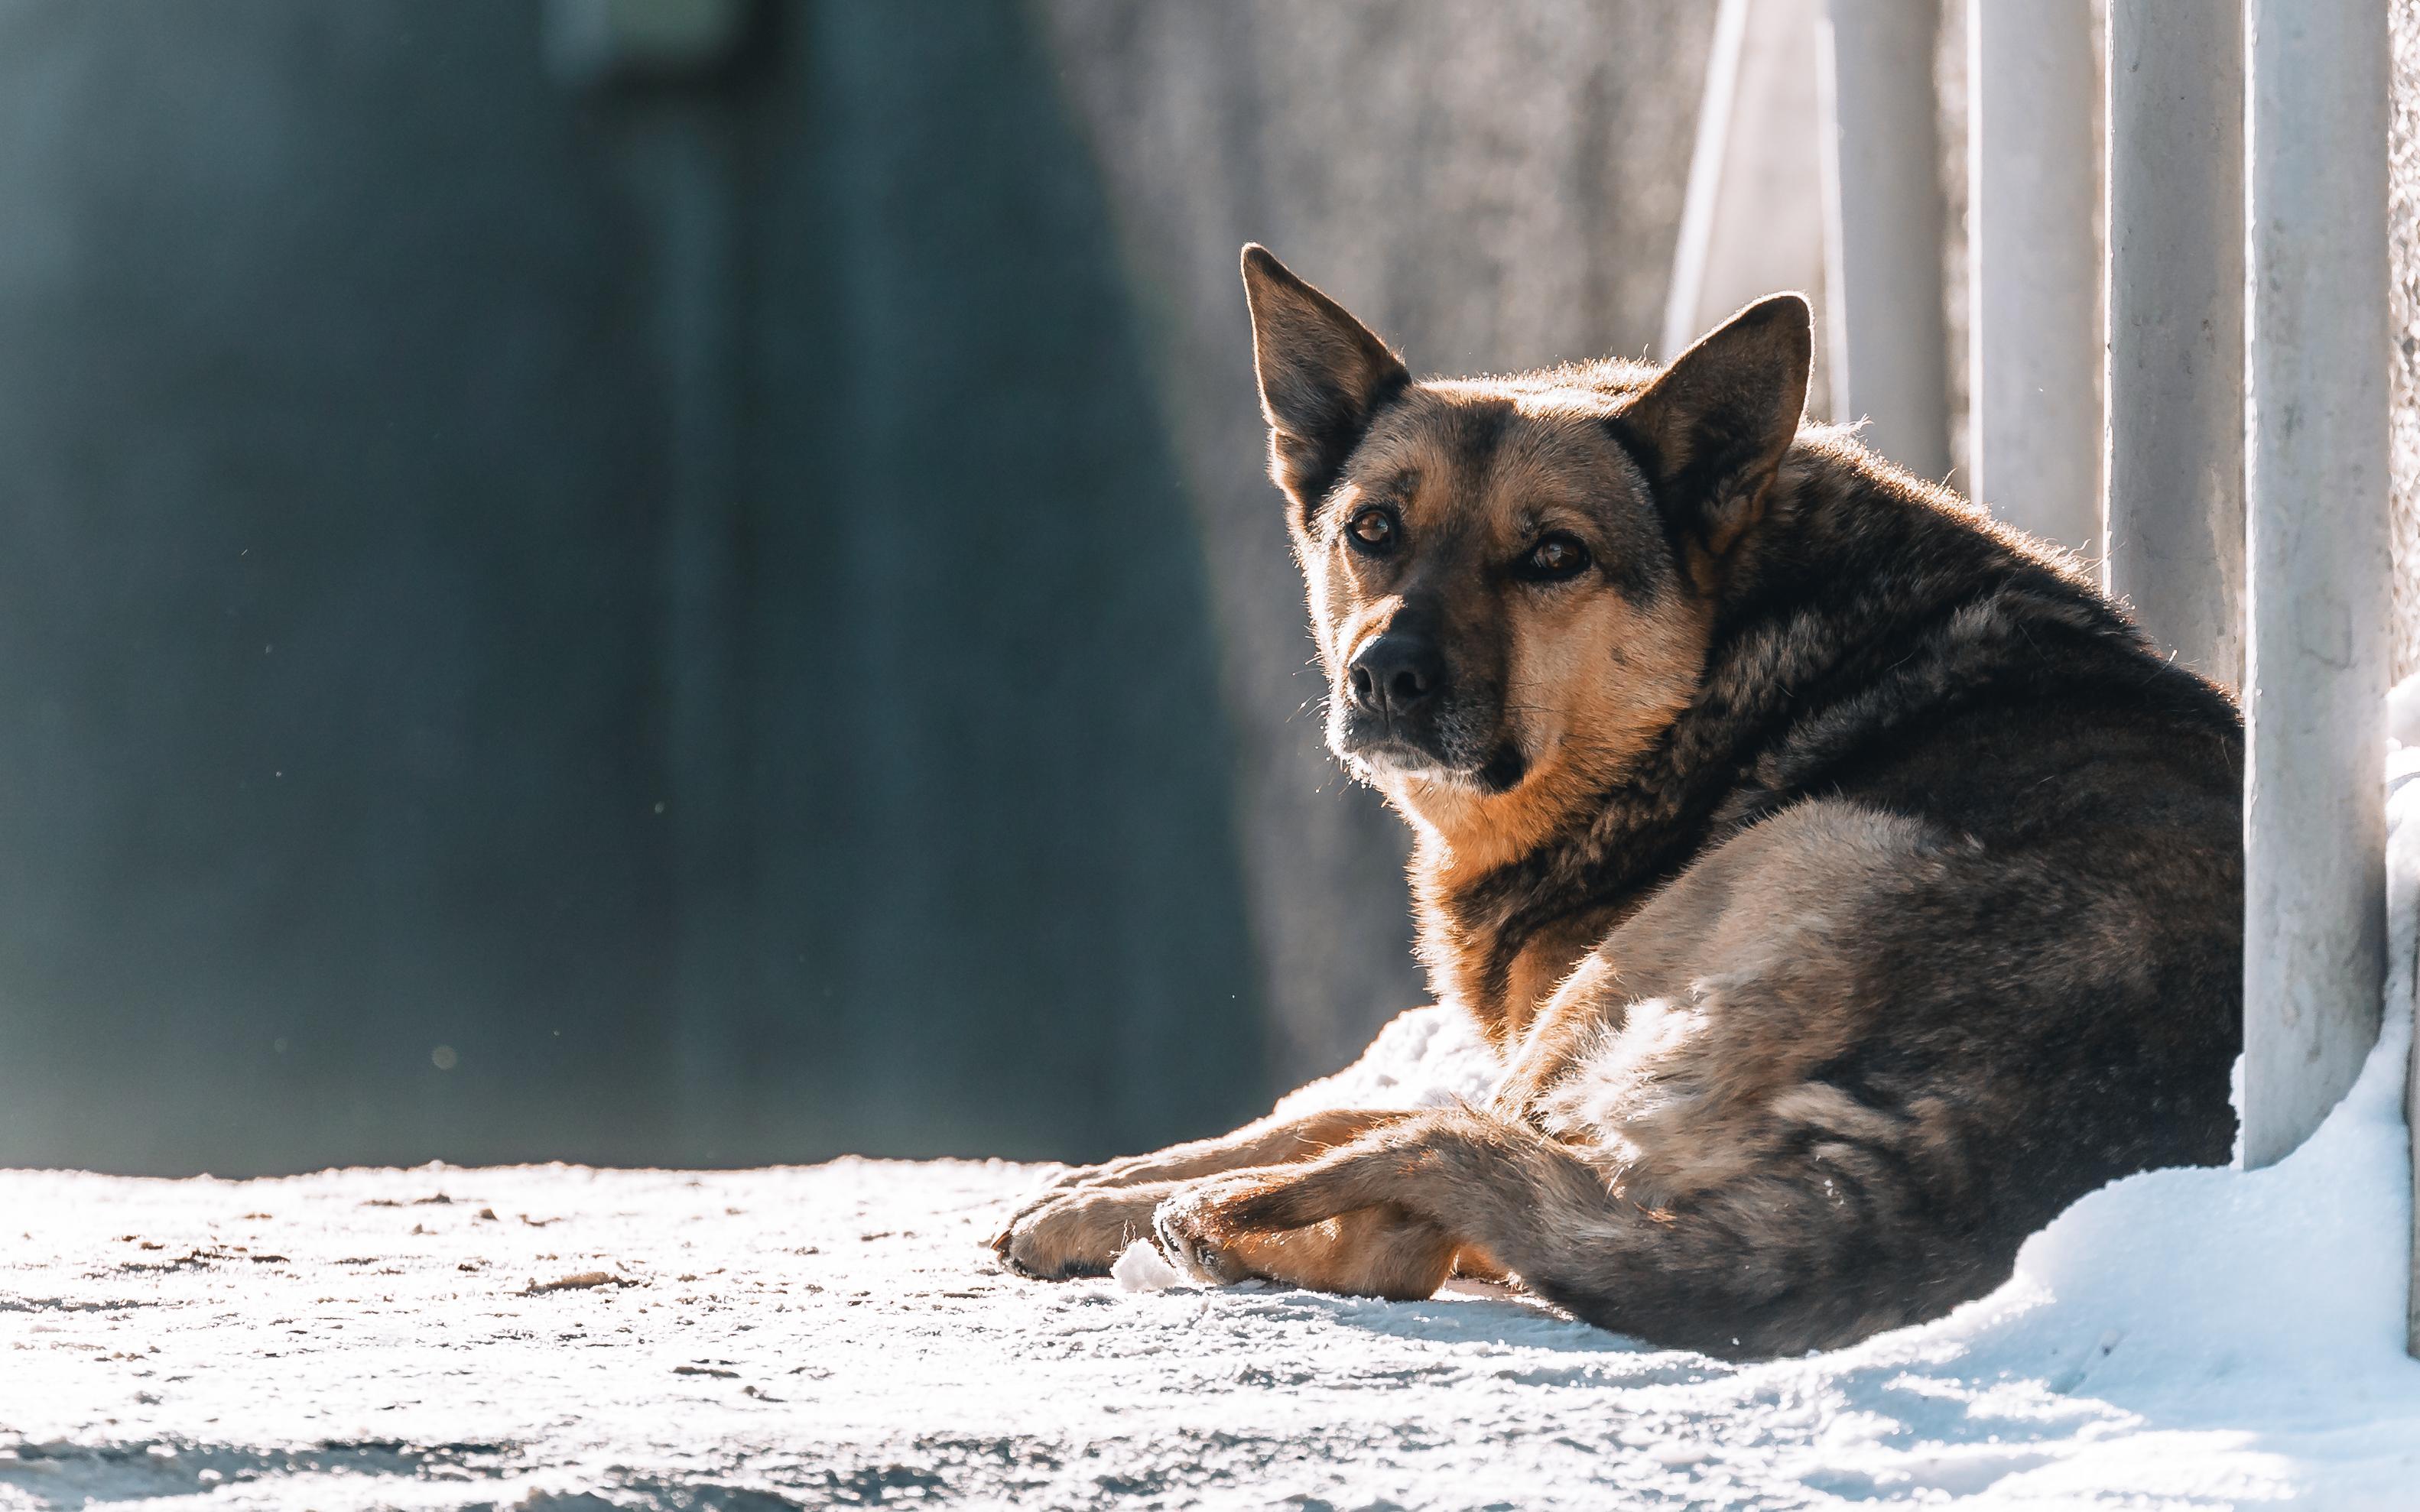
1395, 673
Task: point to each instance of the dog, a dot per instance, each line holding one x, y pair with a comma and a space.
1846, 885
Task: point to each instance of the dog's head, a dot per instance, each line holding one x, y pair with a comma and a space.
1510, 578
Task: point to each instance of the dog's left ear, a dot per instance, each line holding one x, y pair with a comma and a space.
1711, 429
1323, 375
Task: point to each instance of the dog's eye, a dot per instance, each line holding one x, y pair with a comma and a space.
1553, 559
1372, 530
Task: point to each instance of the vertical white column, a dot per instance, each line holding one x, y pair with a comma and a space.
2316, 484
1882, 227
2175, 327
2034, 345
1753, 221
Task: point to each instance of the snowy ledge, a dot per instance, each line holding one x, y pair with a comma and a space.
560, 1337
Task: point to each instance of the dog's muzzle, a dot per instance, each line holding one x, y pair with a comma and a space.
1399, 711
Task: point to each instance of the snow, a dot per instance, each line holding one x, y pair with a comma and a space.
563, 1338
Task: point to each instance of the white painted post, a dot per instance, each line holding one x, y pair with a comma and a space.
2034, 344
1882, 227
1753, 221
2316, 484
2175, 327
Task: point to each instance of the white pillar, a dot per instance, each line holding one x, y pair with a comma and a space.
1753, 221
2175, 327
2034, 344
2316, 484
1884, 225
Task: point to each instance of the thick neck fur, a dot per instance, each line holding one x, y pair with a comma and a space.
1863, 601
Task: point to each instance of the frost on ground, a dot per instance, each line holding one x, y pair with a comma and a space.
559, 1338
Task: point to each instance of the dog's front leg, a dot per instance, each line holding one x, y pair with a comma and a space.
1264, 1142
1372, 1252
1080, 1232
1377, 1218
1068, 1228
1375, 1250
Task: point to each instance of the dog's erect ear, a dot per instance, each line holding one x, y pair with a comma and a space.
1323, 375
1711, 428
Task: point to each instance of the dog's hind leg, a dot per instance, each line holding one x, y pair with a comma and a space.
1805, 1251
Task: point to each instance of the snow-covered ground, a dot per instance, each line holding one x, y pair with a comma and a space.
561, 1338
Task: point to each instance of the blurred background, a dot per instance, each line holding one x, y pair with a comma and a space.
691, 582
688, 582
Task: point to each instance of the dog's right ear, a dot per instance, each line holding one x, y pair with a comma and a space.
1711, 429
1323, 375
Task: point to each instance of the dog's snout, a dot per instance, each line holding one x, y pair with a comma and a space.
1395, 673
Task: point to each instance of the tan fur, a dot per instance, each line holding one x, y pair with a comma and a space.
1375, 1252
1582, 727
1370, 1251
1080, 1223
1591, 677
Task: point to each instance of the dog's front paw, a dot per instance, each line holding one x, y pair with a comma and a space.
1192, 1236
1066, 1183
1081, 1233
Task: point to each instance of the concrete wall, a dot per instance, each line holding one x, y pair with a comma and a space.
727, 619
326, 459
1490, 188
341, 407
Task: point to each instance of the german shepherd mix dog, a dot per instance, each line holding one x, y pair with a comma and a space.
1846, 885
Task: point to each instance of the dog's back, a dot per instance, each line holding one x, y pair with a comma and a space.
1958, 937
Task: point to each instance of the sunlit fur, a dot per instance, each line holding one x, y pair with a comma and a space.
1846, 885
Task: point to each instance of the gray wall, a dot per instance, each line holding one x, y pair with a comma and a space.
744, 610
327, 455
1490, 187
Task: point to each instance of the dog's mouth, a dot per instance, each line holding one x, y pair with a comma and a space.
1392, 755
1375, 750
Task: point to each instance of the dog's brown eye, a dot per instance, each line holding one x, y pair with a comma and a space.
1372, 530
1554, 557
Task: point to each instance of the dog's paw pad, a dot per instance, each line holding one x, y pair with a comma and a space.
1191, 1242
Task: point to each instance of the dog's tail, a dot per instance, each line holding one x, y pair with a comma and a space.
1805, 1251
